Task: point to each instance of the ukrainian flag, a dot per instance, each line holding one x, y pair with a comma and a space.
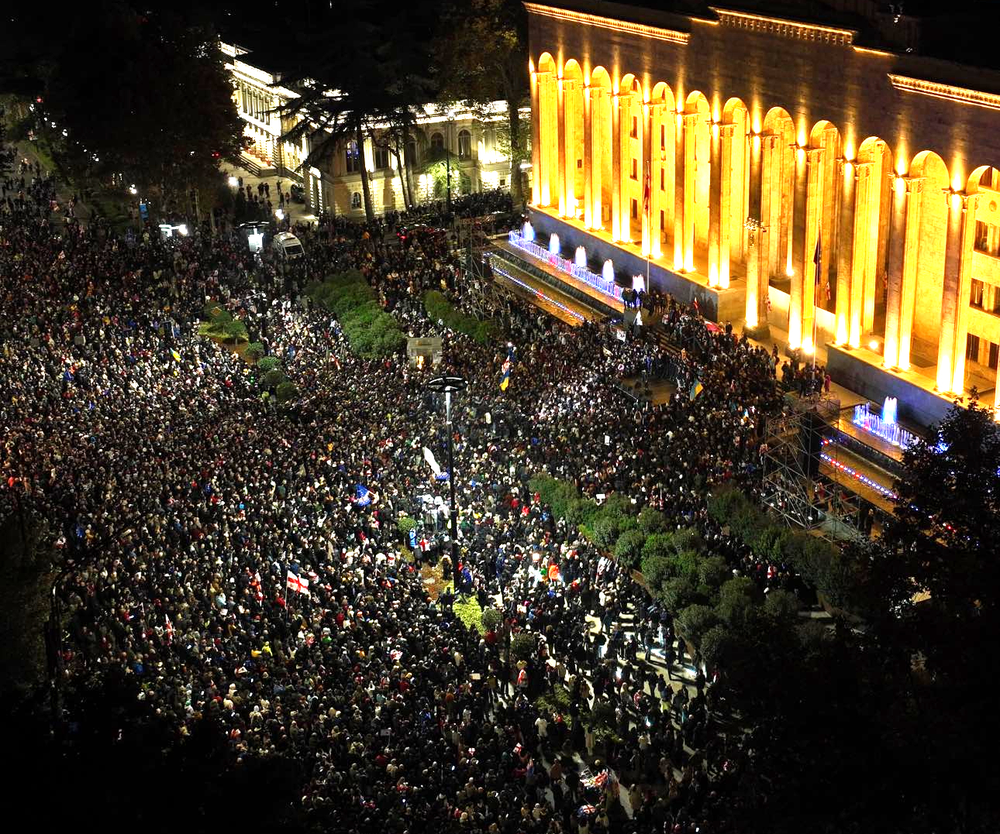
505, 369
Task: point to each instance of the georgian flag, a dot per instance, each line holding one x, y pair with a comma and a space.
297, 583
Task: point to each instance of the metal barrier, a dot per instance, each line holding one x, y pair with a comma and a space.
581, 273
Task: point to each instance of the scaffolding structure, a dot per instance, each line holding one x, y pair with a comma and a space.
792, 484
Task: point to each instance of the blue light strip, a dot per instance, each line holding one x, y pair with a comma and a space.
847, 470
535, 292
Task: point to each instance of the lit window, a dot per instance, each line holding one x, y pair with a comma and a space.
635, 170
381, 157
464, 144
635, 127
356, 200
353, 158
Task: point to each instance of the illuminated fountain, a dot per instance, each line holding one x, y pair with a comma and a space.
554, 244
889, 410
608, 272
528, 232
581, 256
884, 426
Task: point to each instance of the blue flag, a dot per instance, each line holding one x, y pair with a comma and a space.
364, 497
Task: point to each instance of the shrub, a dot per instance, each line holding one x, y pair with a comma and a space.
656, 570
235, 331
686, 563
713, 571
522, 645
269, 363
581, 511
272, 379
605, 532
470, 613
492, 619
714, 644
782, 605
694, 621
619, 504
687, 539
286, 392
736, 599
658, 545
602, 715
440, 309
211, 310
652, 521
562, 495
677, 594
405, 524
255, 350
628, 548
768, 543
725, 503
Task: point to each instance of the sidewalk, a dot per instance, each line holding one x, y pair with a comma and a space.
64, 190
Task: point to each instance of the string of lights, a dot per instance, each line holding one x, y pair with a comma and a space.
537, 293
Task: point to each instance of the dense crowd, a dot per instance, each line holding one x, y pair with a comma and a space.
180, 500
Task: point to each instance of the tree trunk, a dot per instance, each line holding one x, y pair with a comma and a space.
402, 175
514, 120
365, 186
408, 164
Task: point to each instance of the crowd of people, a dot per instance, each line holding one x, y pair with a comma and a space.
216, 547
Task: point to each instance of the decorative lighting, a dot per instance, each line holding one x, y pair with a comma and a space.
233, 182
537, 293
873, 345
133, 190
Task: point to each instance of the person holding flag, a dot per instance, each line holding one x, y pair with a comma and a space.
505, 368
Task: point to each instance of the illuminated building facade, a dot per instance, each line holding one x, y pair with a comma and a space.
832, 186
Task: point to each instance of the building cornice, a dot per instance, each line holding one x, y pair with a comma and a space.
785, 28
655, 33
945, 91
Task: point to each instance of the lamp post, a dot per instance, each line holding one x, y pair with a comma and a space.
449, 385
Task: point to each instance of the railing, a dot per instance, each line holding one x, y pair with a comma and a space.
581, 273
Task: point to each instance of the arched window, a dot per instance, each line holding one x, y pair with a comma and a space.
381, 157
437, 141
356, 200
353, 158
410, 154
464, 144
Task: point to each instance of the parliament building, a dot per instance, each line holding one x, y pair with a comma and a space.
823, 174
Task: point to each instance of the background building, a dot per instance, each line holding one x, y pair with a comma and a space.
818, 174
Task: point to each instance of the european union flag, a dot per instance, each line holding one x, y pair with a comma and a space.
364, 497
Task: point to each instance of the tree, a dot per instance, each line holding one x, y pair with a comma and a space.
155, 112
480, 56
372, 79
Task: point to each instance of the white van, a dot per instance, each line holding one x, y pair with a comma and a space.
287, 246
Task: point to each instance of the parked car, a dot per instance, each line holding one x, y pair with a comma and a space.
286, 245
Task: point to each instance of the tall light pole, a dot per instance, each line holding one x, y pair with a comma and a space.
449, 385
451, 130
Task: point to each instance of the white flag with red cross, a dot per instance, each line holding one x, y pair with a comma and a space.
297, 583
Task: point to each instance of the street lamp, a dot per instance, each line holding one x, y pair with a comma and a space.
449, 385
234, 182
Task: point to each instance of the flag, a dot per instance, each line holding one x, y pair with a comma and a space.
817, 261
645, 190
431, 461
505, 369
297, 583
363, 495
176, 355
170, 629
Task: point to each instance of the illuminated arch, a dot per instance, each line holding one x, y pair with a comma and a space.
697, 180
777, 193
663, 165
631, 123
924, 341
736, 113
548, 130
825, 135
601, 143
573, 150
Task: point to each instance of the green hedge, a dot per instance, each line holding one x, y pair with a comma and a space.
818, 561
269, 363
371, 332
286, 392
440, 309
255, 350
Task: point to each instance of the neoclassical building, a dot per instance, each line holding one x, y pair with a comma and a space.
831, 181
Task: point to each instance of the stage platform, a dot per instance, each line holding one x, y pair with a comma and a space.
715, 304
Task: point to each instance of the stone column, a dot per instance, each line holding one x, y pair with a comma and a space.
588, 162
727, 197
947, 358
798, 234
598, 141
690, 185
911, 255
655, 158
845, 252
969, 205
616, 168
644, 169
679, 183
715, 216
769, 163
561, 155
894, 275
859, 252
756, 248
536, 142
